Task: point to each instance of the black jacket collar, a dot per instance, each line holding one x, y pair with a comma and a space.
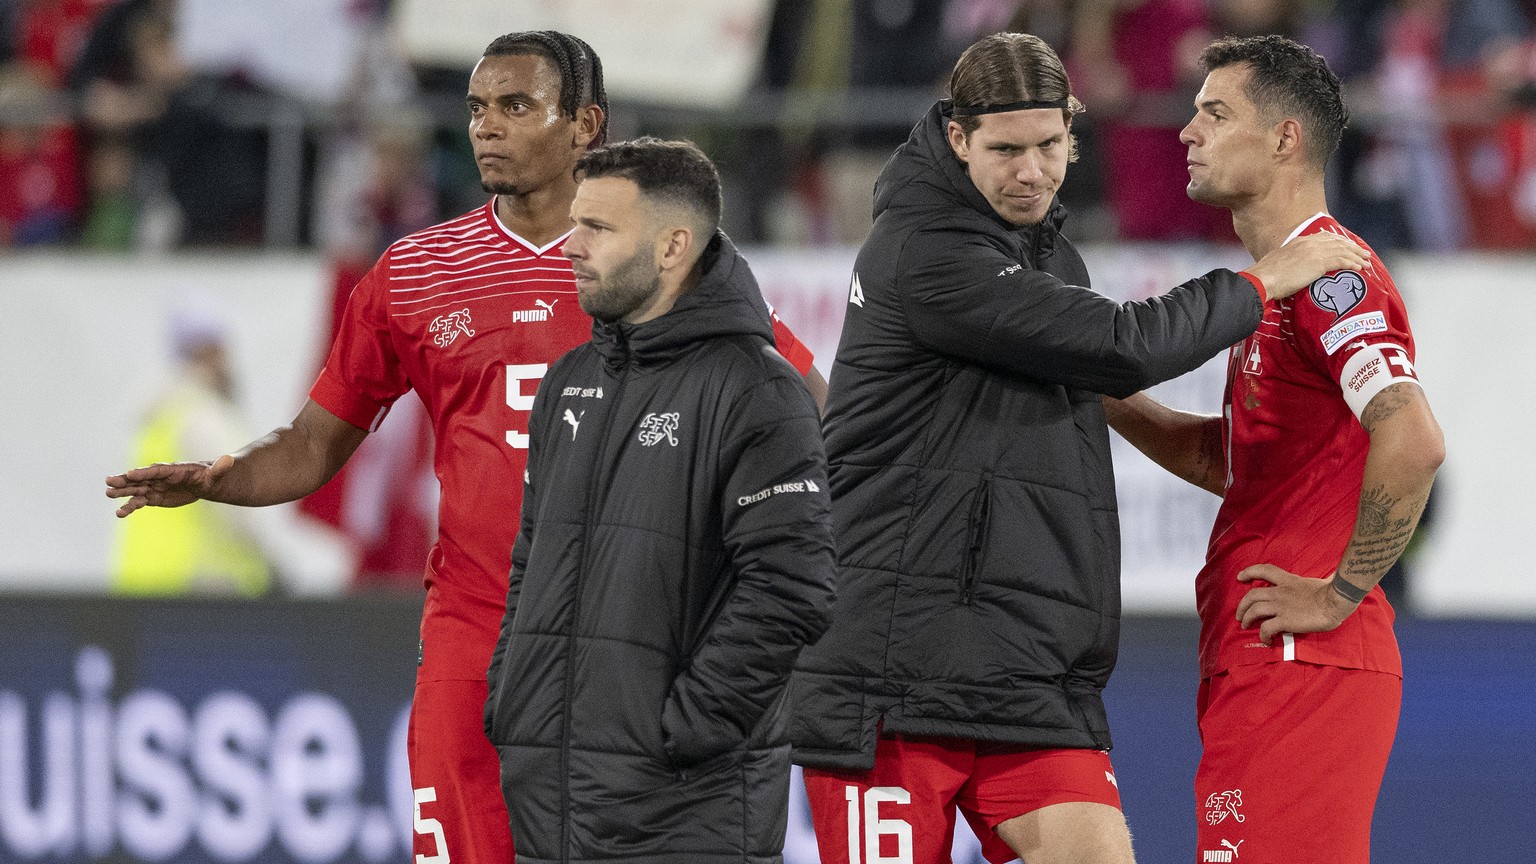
724, 301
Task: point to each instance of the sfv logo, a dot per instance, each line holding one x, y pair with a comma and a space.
1220, 805
449, 326
656, 428
542, 312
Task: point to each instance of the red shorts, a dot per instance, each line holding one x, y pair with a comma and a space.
1294, 755
456, 777
903, 809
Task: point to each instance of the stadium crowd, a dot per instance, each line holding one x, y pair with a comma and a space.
114, 136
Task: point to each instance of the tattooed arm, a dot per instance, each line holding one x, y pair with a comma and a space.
1406, 450
1188, 445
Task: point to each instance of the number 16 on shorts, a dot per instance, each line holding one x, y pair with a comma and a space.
877, 836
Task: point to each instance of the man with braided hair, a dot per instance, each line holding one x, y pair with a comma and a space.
470, 313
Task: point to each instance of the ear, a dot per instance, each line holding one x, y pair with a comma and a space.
958, 142
1289, 143
589, 121
674, 247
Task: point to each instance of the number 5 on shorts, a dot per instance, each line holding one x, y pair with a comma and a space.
875, 827
429, 826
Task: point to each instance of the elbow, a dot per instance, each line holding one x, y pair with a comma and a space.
1420, 452
1124, 378
1433, 455
1428, 450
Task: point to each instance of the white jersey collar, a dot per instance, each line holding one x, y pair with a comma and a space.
1307, 223
512, 235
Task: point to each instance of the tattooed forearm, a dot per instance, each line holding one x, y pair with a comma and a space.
1375, 509
1386, 403
1382, 531
1406, 450
1365, 562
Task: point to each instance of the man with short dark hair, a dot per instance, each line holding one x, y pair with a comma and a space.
978, 597
675, 552
469, 313
1324, 459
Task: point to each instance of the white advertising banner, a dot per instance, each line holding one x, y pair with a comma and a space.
700, 53
306, 48
85, 350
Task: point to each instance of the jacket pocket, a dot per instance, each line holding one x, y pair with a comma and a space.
976, 538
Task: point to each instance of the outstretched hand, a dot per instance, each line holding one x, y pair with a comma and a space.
1290, 603
166, 484
1292, 267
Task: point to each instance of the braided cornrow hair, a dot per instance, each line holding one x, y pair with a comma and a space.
581, 70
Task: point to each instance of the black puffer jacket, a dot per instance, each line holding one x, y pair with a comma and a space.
674, 557
973, 496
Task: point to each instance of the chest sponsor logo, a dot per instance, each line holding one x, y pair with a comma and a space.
1340, 333
1338, 293
856, 292
799, 486
541, 311
583, 392
1220, 805
1014, 269
1227, 853
446, 328
656, 428
574, 420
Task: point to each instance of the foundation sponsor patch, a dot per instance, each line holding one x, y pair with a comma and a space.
1341, 332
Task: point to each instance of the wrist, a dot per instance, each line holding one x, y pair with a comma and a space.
1347, 591
1257, 283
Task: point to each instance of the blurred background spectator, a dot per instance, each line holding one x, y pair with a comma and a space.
154, 124
214, 549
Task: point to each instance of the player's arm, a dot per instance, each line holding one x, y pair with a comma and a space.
1187, 444
777, 596
288, 463
799, 356
1407, 448
818, 387
964, 297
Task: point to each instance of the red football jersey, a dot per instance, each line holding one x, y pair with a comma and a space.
1296, 458
471, 316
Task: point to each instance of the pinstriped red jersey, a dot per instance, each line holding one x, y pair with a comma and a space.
471, 316
1296, 458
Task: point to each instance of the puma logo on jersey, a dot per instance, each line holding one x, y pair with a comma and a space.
448, 327
542, 312
574, 420
1221, 856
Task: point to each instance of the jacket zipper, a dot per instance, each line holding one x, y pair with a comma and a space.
976, 535
570, 639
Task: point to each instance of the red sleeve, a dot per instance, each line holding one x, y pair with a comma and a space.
1347, 310
1257, 283
793, 350
362, 377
